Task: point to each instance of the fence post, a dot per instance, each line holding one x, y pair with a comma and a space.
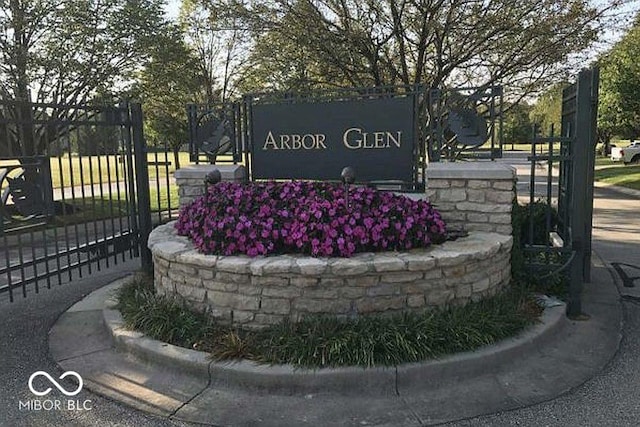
594, 85
582, 197
46, 184
142, 185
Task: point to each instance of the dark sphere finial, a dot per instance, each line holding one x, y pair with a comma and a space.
212, 177
348, 175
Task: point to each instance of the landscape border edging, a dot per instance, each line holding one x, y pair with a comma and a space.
286, 379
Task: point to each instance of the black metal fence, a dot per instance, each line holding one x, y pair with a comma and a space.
447, 124
465, 123
76, 197
80, 188
558, 233
215, 133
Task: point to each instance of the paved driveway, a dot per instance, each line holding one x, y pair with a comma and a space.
609, 399
24, 350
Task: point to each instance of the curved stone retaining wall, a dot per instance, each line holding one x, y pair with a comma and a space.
260, 291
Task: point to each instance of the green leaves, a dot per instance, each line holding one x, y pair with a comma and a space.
169, 81
322, 341
71, 50
163, 318
392, 340
619, 109
547, 110
298, 45
517, 126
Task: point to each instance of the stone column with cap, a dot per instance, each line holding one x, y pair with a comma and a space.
191, 179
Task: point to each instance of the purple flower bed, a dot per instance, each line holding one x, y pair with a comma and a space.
306, 217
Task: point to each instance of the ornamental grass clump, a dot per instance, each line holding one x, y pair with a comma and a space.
309, 218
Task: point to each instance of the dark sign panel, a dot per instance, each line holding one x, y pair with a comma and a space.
317, 140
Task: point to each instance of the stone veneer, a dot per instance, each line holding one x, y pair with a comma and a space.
256, 292
190, 179
473, 196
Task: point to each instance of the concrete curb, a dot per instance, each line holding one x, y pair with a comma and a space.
150, 350
485, 360
619, 189
286, 379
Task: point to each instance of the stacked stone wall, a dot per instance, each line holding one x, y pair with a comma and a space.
190, 179
473, 196
256, 292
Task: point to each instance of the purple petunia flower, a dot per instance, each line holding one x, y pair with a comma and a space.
306, 217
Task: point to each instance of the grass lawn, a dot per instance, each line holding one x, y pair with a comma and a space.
87, 169
540, 148
624, 176
99, 208
73, 170
606, 161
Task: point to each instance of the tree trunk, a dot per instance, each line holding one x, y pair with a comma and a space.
26, 134
176, 156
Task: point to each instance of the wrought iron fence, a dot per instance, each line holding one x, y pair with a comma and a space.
449, 124
81, 189
465, 123
559, 242
75, 192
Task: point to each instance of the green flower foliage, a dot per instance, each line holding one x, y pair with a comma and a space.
322, 341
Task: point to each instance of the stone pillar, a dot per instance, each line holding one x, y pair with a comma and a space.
190, 179
473, 196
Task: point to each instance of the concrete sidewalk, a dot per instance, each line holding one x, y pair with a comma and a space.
624, 190
479, 383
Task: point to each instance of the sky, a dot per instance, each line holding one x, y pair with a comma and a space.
172, 8
624, 14
619, 22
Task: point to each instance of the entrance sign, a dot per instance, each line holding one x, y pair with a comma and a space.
316, 140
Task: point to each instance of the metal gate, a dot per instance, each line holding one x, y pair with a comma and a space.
75, 192
567, 194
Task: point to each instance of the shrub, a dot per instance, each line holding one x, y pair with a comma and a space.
392, 340
162, 317
321, 341
306, 217
521, 261
535, 212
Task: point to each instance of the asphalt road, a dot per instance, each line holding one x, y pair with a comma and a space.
611, 398
24, 350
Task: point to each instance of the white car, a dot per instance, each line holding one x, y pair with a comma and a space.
630, 154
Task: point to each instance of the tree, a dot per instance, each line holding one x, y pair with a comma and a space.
219, 42
524, 44
517, 126
547, 111
170, 80
288, 61
619, 106
67, 51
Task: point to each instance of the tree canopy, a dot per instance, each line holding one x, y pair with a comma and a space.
66, 51
619, 108
74, 51
517, 125
547, 110
219, 42
524, 44
71, 52
169, 82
